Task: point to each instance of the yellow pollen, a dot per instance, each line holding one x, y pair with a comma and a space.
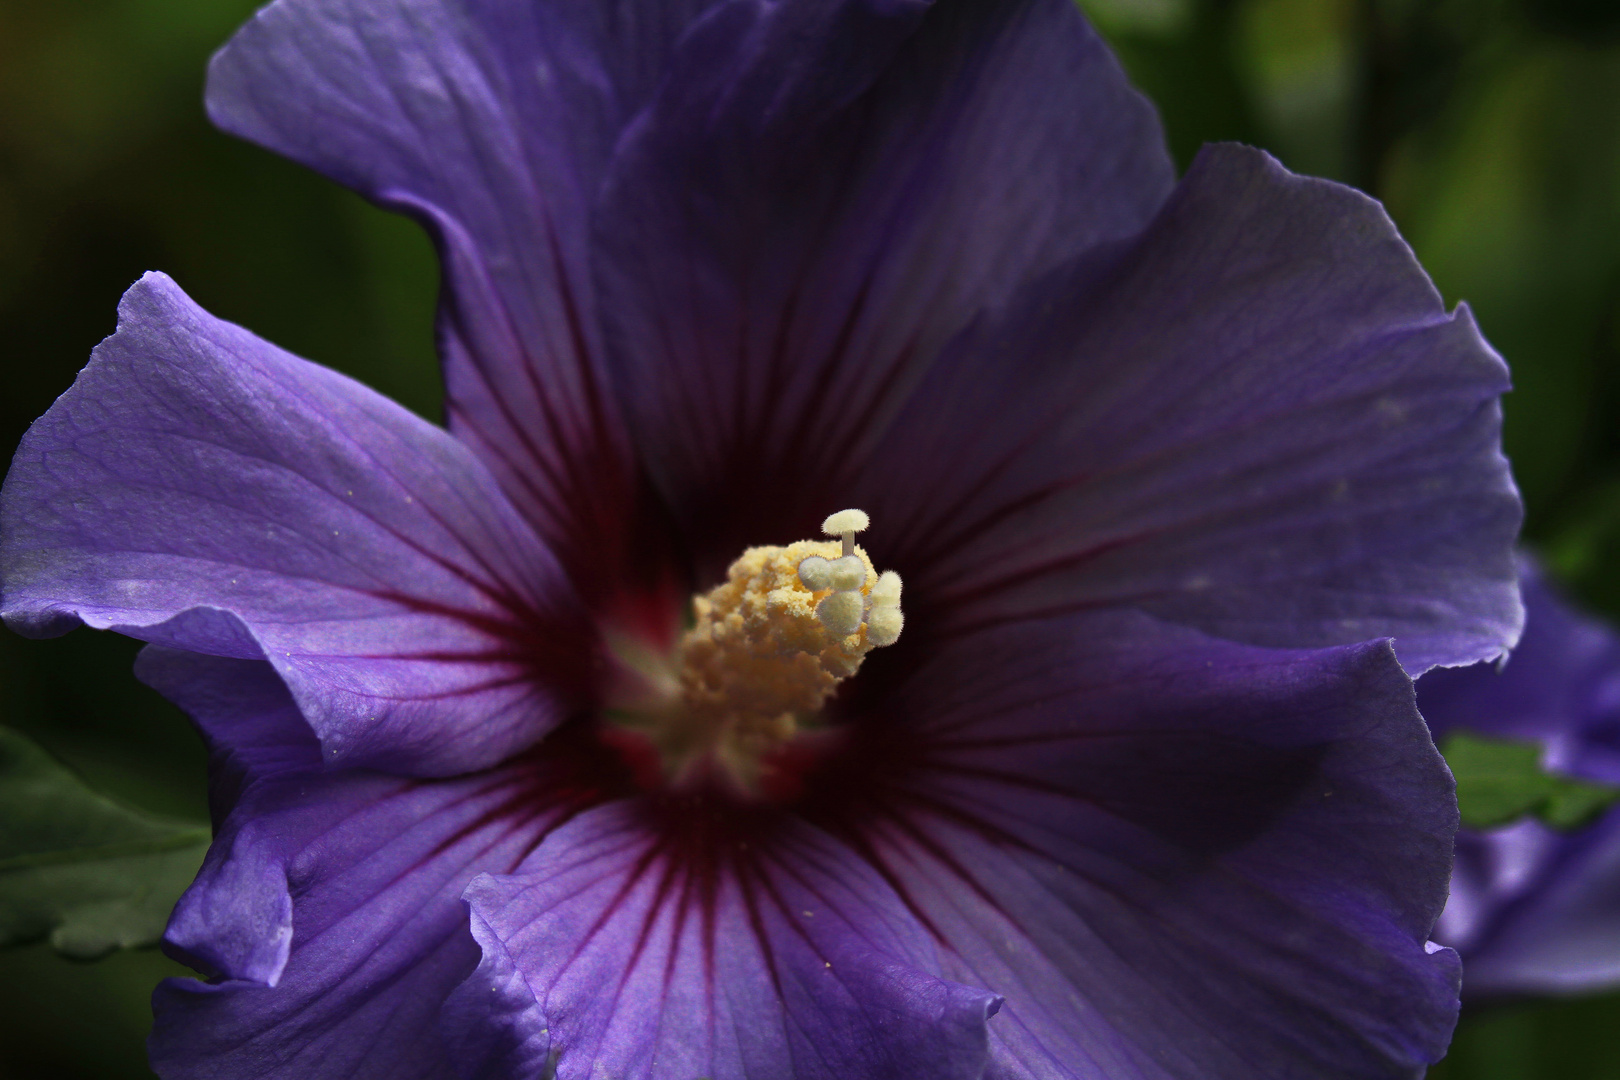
767, 648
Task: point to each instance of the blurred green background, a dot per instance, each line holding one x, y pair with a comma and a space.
1490, 128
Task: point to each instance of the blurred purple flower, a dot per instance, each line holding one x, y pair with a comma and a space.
1534, 910
1141, 792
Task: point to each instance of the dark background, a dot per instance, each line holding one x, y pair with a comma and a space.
1490, 129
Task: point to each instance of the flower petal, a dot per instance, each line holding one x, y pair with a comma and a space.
251, 726
1560, 687
236, 920
491, 122
616, 956
1535, 911
327, 914
1172, 856
199, 488
1256, 420
817, 198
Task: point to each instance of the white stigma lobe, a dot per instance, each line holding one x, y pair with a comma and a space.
846, 523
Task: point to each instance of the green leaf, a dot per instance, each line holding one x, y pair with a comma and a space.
76, 867
1499, 781
1153, 17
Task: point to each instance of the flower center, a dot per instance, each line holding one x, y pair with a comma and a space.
767, 647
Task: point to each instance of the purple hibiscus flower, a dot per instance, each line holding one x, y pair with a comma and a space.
1534, 910
528, 761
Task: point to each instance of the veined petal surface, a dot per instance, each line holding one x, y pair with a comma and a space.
200, 488
639, 951
819, 195
1255, 419
327, 914
491, 122
1173, 856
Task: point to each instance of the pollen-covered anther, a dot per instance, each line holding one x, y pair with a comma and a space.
886, 590
883, 619
840, 612
846, 574
883, 626
815, 573
767, 648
